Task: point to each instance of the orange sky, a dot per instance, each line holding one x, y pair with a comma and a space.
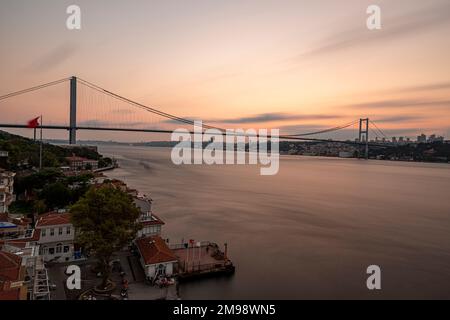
294, 65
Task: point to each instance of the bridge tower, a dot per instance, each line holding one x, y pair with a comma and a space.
364, 133
73, 111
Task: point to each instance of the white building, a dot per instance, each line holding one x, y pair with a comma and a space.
80, 163
56, 237
157, 258
151, 223
6, 189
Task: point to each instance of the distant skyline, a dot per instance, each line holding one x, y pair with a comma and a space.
294, 65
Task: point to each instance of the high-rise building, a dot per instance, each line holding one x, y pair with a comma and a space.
422, 138
432, 138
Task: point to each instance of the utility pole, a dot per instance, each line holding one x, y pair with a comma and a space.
364, 132
40, 148
73, 111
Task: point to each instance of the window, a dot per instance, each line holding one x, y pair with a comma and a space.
66, 249
51, 251
58, 248
52, 232
60, 231
68, 230
44, 232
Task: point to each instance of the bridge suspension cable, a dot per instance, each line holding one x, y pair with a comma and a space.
323, 131
379, 130
142, 106
13, 94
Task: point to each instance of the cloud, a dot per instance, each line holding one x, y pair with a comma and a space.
123, 111
262, 118
93, 123
53, 58
393, 28
411, 132
299, 129
423, 87
276, 116
399, 103
397, 119
106, 124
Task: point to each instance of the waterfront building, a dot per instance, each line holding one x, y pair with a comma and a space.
156, 257
80, 163
152, 224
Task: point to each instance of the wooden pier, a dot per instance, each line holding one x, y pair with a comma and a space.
201, 259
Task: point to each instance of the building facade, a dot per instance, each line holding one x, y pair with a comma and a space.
80, 163
157, 259
56, 240
151, 224
6, 189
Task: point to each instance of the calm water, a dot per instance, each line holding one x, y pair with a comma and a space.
310, 231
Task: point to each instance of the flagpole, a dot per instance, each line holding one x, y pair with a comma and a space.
40, 149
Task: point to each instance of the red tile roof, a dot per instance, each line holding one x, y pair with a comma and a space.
51, 219
11, 294
9, 266
155, 250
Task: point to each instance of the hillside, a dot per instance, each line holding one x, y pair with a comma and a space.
24, 152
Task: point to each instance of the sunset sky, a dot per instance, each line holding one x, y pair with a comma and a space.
295, 65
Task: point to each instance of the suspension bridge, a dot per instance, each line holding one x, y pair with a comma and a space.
91, 107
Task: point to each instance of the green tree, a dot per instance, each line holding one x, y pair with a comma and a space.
106, 221
56, 195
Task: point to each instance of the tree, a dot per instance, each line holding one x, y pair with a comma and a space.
56, 195
106, 220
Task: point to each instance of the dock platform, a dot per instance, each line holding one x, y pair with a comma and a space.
201, 259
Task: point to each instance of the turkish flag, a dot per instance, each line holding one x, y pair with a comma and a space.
34, 123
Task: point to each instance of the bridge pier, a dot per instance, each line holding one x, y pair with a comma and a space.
364, 131
73, 111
